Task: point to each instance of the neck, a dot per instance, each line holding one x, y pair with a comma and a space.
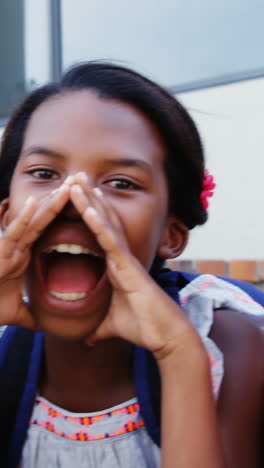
86, 379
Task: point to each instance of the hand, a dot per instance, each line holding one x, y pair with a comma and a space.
140, 312
15, 254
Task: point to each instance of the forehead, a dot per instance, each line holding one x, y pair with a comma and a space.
83, 118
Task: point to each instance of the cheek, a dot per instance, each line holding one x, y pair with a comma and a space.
17, 199
20, 190
144, 229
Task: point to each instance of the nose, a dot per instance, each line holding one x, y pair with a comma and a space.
70, 213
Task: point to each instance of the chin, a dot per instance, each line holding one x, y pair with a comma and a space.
73, 321
70, 329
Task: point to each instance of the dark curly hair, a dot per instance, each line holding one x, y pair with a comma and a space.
184, 162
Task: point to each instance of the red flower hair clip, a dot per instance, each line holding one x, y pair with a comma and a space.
208, 189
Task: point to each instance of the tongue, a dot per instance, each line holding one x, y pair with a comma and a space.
68, 273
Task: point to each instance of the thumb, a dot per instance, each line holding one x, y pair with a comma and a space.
103, 332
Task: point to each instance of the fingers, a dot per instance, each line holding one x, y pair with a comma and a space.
17, 228
47, 212
123, 269
97, 200
100, 201
100, 217
96, 197
25, 229
105, 331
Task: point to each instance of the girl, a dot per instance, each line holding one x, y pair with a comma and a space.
101, 179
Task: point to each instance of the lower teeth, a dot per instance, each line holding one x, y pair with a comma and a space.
68, 296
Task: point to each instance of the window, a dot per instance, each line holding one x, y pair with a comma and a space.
177, 43
183, 45
24, 43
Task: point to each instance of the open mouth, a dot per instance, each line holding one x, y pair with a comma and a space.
71, 271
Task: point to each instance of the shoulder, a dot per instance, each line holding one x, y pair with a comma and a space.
235, 333
240, 404
242, 344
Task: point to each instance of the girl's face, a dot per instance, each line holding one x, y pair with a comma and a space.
121, 152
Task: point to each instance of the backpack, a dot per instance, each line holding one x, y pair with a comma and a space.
21, 353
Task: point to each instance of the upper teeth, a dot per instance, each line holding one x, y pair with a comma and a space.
75, 249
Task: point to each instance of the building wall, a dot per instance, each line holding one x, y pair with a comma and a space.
230, 119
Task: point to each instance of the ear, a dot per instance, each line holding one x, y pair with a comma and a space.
4, 214
174, 239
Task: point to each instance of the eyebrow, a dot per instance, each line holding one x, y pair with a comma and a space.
130, 162
125, 162
42, 150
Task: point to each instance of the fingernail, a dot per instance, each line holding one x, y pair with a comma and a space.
54, 191
29, 200
59, 189
90, 341
98, 192
77, 188
90, 344
91, 211
68, 180
83, 177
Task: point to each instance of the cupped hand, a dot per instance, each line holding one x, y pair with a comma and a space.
15, 253
140, 311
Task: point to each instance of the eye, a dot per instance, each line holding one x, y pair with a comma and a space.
43, 173
123, 184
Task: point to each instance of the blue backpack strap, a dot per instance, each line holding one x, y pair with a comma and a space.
16, 347
27, 400
144, 387
146, 372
